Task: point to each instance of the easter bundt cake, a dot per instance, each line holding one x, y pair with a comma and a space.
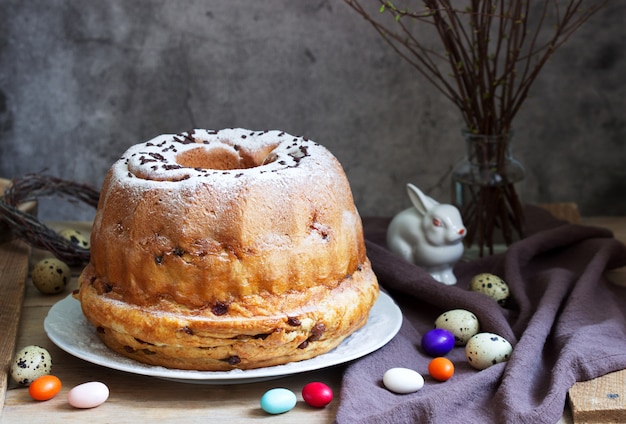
215, 250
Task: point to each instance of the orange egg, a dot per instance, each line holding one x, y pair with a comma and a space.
44, 388
441, 368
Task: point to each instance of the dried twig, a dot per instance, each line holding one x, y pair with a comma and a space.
490, 52
28, 228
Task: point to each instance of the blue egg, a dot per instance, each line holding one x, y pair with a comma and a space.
437, 342
278, 401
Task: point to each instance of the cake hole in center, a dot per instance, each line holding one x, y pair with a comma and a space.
215, 158
227, 156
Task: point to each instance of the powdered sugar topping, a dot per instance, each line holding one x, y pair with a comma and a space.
230, 153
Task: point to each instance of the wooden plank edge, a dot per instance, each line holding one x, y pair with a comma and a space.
14, 257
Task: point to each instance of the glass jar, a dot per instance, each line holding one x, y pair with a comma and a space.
483, 188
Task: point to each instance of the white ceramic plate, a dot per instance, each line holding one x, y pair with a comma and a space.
67, 327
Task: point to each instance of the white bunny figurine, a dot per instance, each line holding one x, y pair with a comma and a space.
429, 235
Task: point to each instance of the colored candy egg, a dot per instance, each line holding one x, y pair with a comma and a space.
461, 323
51, 276
30, 363
403, 380
317, 394
487, 349
278, 401
45, 387
491, 285
437, 342
75, 237
441, 368
88, 395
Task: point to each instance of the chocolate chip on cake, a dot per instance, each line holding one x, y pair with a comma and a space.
317, 332
220, 308
261, 336
233, 360
293, 321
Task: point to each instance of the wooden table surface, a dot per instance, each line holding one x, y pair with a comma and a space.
136, 398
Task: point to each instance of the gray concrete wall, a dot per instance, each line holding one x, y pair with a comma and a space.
80, 81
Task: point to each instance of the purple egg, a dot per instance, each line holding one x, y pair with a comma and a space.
437, 342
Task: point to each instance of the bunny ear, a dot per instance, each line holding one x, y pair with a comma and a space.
421, 202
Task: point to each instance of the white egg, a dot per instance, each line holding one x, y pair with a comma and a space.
491, 285
51, 276
403, 380
486, 349
88, 395
460, 322
30, 363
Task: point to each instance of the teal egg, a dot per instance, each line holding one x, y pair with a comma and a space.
278, 401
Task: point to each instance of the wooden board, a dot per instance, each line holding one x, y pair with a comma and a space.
600, 401
14, 256
567, 211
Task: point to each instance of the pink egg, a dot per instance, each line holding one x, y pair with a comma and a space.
88, 395
317, 394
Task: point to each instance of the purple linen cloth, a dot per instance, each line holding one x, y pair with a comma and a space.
565, 320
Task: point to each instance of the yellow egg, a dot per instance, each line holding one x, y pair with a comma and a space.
51, 276
486, 349
30, 363
461, 323
491, 285
76, 237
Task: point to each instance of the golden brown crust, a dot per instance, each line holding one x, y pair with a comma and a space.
211, 242
285, 328
267, 232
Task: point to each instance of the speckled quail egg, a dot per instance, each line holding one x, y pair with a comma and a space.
461, 323
76, 237
491, 285
30, 363
51, 276
486, 349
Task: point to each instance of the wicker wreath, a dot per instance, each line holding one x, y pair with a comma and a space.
29, 229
